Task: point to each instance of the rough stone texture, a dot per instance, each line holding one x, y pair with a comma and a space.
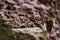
24, 36
31, 13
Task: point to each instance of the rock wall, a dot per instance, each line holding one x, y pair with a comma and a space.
31, 13
23, 13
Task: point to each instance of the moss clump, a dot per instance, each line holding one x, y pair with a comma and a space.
24, 36
7, 34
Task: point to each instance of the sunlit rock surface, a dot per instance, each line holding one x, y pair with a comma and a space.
36, 32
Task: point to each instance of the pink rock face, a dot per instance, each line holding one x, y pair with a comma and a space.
27, 6
32, 3
31, 13
37, 6
10, 1
21, 1
27, 0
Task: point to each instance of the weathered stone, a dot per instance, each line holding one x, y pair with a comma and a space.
18, 7
37, 7
58, 35
27, 0
31, 13
25, 36
27, 6
21, 1
10, 1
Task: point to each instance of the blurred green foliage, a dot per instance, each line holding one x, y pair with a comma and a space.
7, 34
49, 25
24, 36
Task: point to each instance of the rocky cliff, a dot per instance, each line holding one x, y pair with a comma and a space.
31, 13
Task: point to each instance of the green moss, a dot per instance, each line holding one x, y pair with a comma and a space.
49, 25
7, 34
24, 36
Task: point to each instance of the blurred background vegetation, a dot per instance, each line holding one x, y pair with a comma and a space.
7, 34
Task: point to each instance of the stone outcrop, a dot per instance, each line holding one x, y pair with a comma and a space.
31, 13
